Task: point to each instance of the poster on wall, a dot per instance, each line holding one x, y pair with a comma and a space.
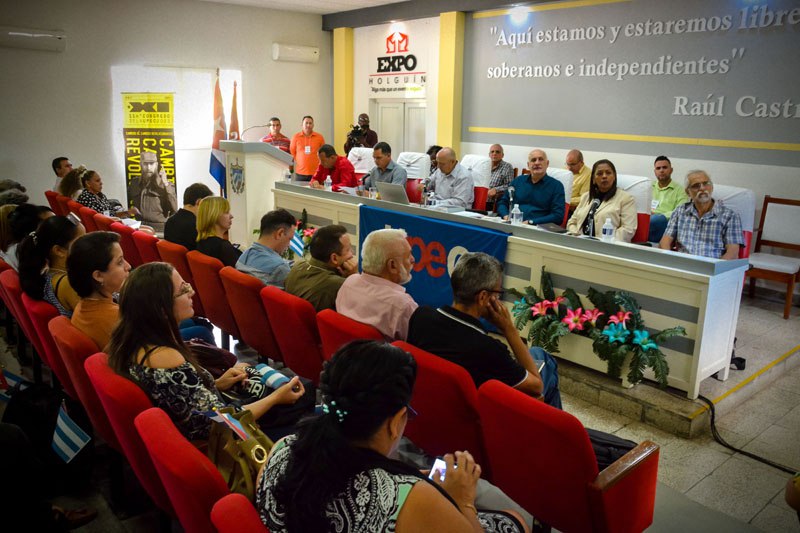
148, 131
399, 68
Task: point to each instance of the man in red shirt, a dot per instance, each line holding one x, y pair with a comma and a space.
275, 137
339, 169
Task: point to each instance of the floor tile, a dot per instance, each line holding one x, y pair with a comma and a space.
774, 518
778, 444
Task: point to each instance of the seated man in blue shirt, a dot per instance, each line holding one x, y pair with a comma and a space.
385, 169
539, 196
263, 259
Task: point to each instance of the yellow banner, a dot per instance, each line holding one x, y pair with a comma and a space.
153, 110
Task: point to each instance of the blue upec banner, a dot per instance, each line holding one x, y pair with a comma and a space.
436, 245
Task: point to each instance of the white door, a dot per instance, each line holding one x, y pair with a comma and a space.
414, 134
402, 125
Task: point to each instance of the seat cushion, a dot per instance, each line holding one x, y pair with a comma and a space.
778, 263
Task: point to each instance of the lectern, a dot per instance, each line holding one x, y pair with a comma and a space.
251, 169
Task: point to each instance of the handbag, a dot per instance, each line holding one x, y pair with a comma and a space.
214, 359
239, 461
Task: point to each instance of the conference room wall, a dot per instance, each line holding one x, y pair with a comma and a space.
62, 103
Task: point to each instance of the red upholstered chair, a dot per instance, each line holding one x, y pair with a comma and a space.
40, 314
75, 347
642, 191
191, 480
12, 295
412, 190
743, 202
294, 323
175, 255
566, 178
336, 330
52, 200
542, 458
87, 217
123, 400
234, 513
146, 245
129, 249
103, 222
447, 402
479, 202
205, 274
244, 297
8, 322
62, 203
74, 207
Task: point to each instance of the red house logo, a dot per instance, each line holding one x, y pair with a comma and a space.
397, 43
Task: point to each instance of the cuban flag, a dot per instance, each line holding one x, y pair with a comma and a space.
297, 245
217, 165
233, 133
8, 381
68, 438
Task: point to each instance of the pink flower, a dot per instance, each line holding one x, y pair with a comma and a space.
574, 319
540, 308
554, 303
591, 315
309, 232
620, 318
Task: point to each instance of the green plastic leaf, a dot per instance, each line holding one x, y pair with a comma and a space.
546, 286
660, 367
573, 298
629, 303
663, 335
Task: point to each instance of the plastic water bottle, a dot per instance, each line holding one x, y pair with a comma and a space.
516, 215
287, 176
328, 183
608, 231
431, 199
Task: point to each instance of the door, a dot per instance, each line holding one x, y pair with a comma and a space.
402, 125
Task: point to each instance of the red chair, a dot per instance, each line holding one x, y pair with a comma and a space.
146, 245
129, 249
74, 207
87, 217
75, 347
336, 330
41, 313
123, 400
62, 203
52, 200
175, 255
234, 513
205, 273
412, 190
12, 295
244, 297
294, 323
192, 482
103, 222
542, 458
8, 319
481, 194
447, 402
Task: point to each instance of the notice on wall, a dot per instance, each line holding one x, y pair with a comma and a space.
398, 67
148, 129
714, 80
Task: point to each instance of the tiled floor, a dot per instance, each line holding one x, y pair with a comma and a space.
703, 486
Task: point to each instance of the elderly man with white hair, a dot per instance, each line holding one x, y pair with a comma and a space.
376, 296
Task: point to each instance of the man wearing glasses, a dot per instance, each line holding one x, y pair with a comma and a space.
703, 226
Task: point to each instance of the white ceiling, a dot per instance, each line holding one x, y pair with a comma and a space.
321, 7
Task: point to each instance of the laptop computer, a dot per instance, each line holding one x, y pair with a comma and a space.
393, 192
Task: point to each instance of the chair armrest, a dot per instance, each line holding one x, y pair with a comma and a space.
623, 466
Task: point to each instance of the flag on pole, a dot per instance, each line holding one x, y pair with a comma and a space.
297, 245
68, 438
217, 164
233, 134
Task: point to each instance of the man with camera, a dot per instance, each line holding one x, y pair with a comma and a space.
361, 135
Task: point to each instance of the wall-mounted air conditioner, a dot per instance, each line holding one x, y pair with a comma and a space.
295, 52
31, 39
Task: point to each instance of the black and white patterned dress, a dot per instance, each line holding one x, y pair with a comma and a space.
99, 202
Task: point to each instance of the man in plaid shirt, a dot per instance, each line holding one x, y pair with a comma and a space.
502, 173
703, 226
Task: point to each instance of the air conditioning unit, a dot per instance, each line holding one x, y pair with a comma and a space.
295, 52
32, 39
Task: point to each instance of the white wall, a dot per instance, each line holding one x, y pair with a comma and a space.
61, 103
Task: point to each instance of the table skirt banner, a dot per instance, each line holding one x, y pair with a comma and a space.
436, 245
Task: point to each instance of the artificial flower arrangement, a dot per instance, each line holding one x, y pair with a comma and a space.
615, 326
302, 236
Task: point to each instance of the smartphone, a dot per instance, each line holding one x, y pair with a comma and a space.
74, 218
438, 464
541, 366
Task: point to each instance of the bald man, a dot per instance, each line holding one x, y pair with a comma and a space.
451, 184
539, 196
580, 177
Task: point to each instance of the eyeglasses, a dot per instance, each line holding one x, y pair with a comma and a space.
410, 412
700, 184
186, 288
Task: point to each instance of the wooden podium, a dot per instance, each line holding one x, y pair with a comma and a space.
251, 170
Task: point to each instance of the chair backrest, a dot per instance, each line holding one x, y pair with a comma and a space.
13, 298
175, 255
642, 191
566, 178
743, 201
146, 244
412, 190
480, 196
62, 203
87, 217
103, 222
52, 200
417, 164
362, 160
541, 456
40, 314
481, 168
191, 480
234, 513
205, 275
447, 402
123, 400
3, 267
129, 249
294, 323
74, 207
244, 297
336, 330
780, 218
75, 347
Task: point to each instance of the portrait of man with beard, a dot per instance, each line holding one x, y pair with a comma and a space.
153, 194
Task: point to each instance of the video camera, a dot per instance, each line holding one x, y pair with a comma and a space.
356, 133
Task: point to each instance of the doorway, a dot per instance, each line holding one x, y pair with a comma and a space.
401, 123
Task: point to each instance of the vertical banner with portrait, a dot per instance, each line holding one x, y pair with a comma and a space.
148, 129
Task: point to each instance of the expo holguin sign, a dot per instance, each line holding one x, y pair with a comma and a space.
399, 73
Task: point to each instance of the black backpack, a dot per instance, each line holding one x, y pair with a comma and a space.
607, 447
